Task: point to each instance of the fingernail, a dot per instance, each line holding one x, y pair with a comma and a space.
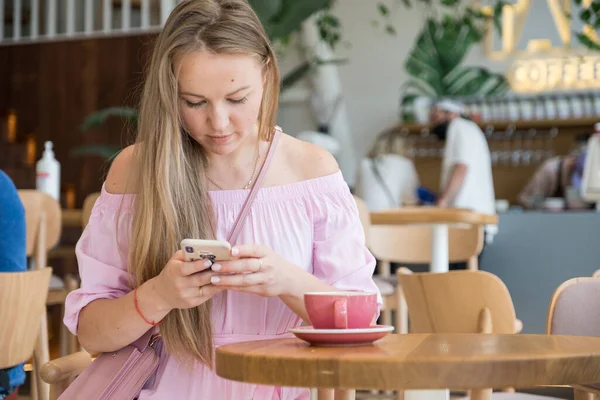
215, 279
207, 263
216, 267
235, 251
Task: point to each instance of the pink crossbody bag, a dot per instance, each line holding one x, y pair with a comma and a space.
122, 374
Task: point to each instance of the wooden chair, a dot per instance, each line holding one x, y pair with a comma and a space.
461, 302
59, 373
575, 310
44, 225
22, 310
386, 288
412, 244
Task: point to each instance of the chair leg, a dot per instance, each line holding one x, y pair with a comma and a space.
325, 394
386, 317
401, 312
400, 395
473, 264
583, 395
344, 394
33, 383
40, 357
63, 333
480, 394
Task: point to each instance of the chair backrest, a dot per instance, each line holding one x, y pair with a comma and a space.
88, 205
454, 302
412, 243
365, 217
41, 211
575, 308
22, 304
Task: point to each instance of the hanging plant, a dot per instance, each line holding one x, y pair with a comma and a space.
588, 16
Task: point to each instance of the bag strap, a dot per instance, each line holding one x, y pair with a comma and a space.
558, 191
381, 181
148, 338
237, 227
145, 340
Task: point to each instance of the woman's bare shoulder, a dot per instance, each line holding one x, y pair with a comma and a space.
118, 180
306, 160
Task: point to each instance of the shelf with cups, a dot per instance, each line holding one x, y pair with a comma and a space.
581, 125
510, 147
517, 149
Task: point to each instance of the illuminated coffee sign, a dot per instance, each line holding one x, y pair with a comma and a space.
543, 67
555, 73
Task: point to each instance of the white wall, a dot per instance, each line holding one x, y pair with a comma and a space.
375, 72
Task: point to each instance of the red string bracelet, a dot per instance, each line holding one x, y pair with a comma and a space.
137, 308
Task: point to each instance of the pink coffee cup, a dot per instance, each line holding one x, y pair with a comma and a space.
340, 310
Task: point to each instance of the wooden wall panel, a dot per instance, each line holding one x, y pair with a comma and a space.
53, 86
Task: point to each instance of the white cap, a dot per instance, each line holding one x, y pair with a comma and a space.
48, 149
450, 106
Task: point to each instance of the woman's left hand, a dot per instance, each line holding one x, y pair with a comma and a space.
255, 269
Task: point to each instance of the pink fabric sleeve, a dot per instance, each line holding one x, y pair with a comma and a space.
340, 257
102, 257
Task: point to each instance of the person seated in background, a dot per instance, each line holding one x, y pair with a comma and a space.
13, 259
557, 177
387, 180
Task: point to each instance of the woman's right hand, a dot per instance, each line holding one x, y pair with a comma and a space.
183, 284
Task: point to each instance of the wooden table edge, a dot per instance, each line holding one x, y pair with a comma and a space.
432, 216
328, 373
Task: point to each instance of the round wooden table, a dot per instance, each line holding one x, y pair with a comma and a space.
417, 361
439, 219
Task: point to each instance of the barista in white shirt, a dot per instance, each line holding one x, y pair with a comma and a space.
466, 180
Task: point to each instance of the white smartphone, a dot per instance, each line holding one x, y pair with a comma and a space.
200, 249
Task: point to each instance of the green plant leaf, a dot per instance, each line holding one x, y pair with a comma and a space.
266, 9
434, 62
408, 99
106, 152
475, 13
470, 81
292, 15
329, 29
449, 3
98, 118
587, 42
498, 15
439, 49
383, 9
586, 16
418, 88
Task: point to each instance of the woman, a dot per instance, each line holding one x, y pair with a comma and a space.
389, 180
207, 122
13, 258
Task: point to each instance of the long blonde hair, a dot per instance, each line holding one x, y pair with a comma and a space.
173, 201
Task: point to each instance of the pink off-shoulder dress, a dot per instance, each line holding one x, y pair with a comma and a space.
313, 224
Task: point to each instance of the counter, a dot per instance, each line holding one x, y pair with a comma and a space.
534, 252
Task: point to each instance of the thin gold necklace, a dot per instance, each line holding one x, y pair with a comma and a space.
257, 157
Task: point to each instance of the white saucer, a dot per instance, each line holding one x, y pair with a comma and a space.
341, 337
